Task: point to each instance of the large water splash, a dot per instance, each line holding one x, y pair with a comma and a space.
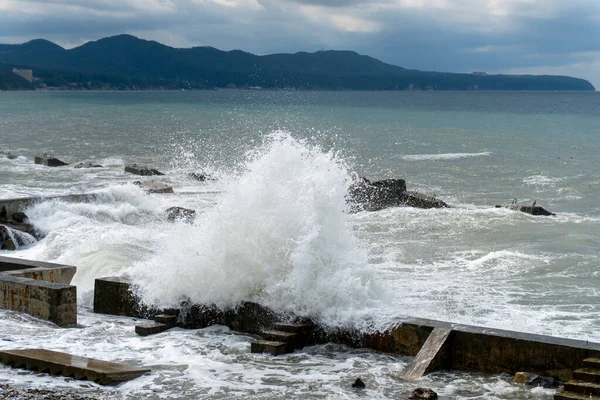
279, 235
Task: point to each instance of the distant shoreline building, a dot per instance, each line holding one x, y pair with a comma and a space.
26, 74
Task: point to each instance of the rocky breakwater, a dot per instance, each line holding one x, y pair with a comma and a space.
365, 195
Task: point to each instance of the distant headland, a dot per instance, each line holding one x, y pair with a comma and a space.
125, 62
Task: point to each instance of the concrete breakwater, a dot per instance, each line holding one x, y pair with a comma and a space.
451, 347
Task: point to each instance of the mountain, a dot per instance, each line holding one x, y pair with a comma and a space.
137, 63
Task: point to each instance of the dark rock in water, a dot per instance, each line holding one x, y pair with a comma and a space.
533, 210
180, 213
373, 196
20, 217
10, 156
49, 161
88, 165
12, 239
423, 393
144, 171
534, 380
154, 187
359, 384
200, 176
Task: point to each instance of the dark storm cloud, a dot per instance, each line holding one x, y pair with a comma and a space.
443, 35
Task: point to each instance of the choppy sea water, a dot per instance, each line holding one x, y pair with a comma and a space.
273, 227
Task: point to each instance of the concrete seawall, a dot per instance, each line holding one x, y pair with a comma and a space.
464, 347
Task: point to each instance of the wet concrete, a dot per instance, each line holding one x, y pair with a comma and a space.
55, 362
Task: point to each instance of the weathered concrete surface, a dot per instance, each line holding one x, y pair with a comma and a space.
431, 356
141, 170
38, 270
55, 302
49, 161
154, 186
55, 362
8, 207
113, 295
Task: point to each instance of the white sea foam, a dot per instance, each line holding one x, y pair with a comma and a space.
279, 236
446, 156
541, 180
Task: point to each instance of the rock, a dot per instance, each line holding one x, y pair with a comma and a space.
144, 171
359, 384
49, 161
201, 176
154, 187
423, 393
533, 210
12, 239
534, 380
88, 165
373, 196
10, 156
20, 217
180, 213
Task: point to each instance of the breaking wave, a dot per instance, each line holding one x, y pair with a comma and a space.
279, 235
446, 156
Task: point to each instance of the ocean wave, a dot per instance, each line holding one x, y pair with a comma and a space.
445, 156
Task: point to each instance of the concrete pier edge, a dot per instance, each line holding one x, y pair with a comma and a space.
460, 347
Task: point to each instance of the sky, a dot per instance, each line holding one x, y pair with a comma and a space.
559, 37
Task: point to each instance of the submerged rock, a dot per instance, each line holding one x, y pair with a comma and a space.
533, 210
154, 187
144, 171
365, 195
12, 239
180, 213
423, 393
88, 165
201, 176
359, 384
49, 161
534, 380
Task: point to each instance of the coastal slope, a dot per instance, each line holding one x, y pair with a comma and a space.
126, 62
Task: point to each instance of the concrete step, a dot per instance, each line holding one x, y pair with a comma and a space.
279, 336
268, 346
564, 395
151, 329
290, 327
587, 375
64, 364
583, 387
591, 363
167, 319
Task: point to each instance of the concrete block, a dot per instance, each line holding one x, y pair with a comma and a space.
55, 362
154, 187
151, 329
54, 302
114, 296
140, 170
49, 161
38, 270
270, 347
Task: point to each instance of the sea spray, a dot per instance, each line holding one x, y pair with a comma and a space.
279, 235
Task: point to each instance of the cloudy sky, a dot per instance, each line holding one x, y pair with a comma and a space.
509, 36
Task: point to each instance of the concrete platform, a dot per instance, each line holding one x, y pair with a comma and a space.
38, 270
430, 356
57, 363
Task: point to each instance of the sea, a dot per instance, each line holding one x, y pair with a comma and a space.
273, 227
